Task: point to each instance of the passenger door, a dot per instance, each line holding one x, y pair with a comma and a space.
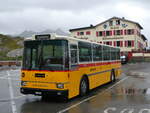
74, 75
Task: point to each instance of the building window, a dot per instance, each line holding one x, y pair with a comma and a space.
81, 33
117, 22
129, 44
118, 32
118, 43
88, 33
130, 31
138, 33
107, 33
111, 23
99, 33
108, 43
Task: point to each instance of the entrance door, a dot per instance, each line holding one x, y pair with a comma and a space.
74, 75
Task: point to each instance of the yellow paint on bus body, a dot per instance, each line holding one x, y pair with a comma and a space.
97, 76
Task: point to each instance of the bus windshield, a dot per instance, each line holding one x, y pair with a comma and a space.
46, 55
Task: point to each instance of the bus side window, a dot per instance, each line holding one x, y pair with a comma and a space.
85, 52
73, 52
97, 52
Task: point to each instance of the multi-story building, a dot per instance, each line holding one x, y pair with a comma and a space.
115, 31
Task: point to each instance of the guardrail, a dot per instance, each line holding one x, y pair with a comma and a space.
10, 63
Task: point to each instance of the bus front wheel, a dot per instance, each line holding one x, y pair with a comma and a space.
83, 86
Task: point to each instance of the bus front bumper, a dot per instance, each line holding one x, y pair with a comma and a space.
40, 92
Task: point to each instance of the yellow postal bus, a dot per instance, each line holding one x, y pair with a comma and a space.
66, 66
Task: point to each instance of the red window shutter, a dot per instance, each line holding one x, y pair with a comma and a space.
104, 33
110, 43
114, 32
97, 33
125, 32
132, 43
126, 43
78, 33
133, 31
104, 42
121, 43
121, 32
88, 33
110, 33
114, 43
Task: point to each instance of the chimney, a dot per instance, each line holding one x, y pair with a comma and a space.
91, 25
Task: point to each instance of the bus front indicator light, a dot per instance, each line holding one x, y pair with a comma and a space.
23, 74
23, 83
60, 85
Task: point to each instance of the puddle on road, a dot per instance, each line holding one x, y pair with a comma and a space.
137, 74
134, 91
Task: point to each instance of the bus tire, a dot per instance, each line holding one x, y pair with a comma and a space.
113, 77
84, 86
45, 97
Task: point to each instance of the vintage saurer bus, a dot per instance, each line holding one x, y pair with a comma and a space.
66, 66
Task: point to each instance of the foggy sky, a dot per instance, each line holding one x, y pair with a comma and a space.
19, 15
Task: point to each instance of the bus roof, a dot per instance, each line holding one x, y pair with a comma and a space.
69, 38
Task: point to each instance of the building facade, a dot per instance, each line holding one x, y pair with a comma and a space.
115, 31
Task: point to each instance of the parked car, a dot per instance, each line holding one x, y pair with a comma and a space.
123, 59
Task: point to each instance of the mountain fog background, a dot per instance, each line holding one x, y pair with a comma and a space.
17, 16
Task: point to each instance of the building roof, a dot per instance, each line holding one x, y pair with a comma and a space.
143, 37
82, 28
91, 26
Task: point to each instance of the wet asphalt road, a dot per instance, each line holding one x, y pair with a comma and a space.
129, 94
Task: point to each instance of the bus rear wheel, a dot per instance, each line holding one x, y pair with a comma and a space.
112, 77
83, 86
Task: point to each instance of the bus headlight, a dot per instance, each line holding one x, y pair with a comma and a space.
23, 83
60, 85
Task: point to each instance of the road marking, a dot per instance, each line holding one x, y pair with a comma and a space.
13, 105
130, 110
66, 109
19, 96
15, 98
142, 110
110, 108
4, 78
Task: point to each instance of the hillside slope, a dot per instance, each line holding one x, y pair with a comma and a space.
8, 44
